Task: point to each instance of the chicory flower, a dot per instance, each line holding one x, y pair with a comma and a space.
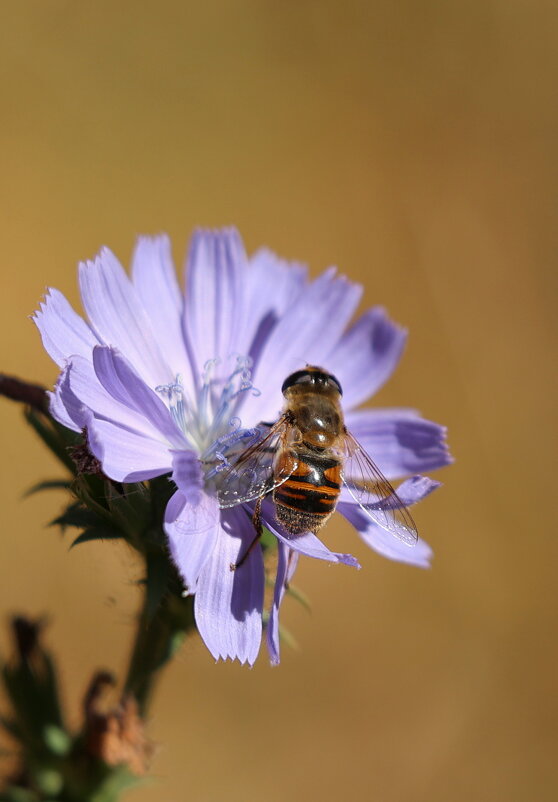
170, 382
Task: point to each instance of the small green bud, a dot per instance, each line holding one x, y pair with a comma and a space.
49, 781
57, 740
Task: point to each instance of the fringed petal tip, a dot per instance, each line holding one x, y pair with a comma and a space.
63, 332
400, 440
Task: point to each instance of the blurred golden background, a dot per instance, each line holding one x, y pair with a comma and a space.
413, 145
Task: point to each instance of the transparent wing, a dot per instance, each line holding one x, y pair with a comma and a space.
370, 488
255, 471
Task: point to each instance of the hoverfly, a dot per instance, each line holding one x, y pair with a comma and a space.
304, 460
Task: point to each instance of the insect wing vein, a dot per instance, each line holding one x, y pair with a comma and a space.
375, 495
253, 474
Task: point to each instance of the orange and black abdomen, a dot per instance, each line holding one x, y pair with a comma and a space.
304, 502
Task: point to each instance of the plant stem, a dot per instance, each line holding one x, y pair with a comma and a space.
158, 636
25, 392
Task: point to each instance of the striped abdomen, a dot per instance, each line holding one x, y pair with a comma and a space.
306, 500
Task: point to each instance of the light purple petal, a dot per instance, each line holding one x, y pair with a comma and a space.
215, 314
383, 542
306, 543
119, 319
399, 441
228, 604
366, 356
62, 330
192, 530
287, 279
154, 278
126, 456
415, 489
123, 384
409, 492
59, 412
64, 406
286, 567
86, 387
305, 334
187, 475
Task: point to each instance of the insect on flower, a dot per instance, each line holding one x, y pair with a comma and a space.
175, 381
304, 459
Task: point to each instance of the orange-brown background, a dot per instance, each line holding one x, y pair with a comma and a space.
414, 145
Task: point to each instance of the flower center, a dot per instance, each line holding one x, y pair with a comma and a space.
209, 420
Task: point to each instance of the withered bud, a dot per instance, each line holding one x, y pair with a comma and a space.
99, 682
116, 737
84, 459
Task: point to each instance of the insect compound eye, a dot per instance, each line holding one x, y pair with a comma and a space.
336, 384
299, 377
311, 378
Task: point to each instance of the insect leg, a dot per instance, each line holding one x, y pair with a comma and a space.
257, 522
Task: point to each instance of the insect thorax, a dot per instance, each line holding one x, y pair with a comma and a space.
318, 419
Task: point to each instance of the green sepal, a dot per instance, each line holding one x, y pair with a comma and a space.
129, 508
49, 484
91, 492
96, 533
78, 516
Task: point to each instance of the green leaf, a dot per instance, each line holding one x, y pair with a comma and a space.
117, 781
97, 533
288, 638
49, 781
33, 694
268, 540
176, 642
291, 590
15, 794
299, 596
49, 484
51, 695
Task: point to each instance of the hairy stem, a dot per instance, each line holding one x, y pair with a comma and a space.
158, 636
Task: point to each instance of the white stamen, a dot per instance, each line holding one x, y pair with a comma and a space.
208, 420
